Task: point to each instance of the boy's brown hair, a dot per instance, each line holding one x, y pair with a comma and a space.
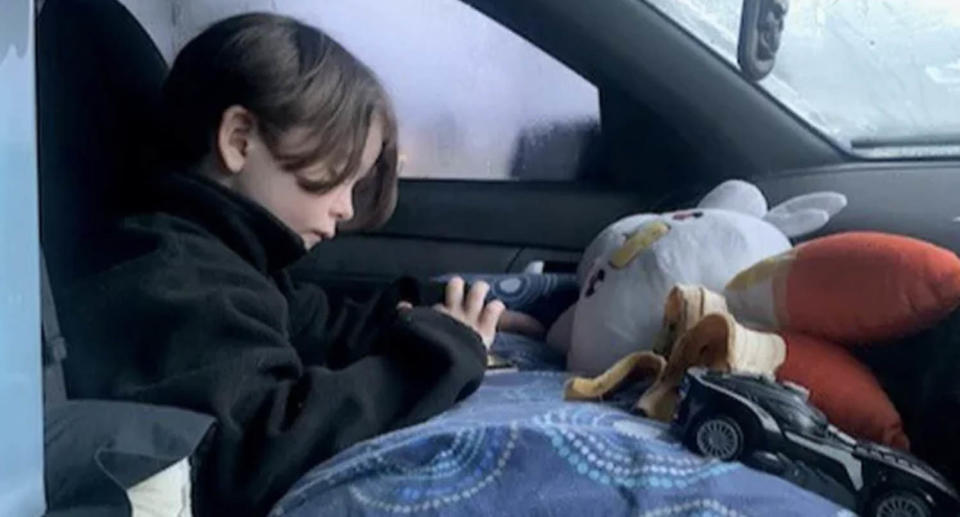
289, 75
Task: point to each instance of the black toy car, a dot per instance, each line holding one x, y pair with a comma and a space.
771, 426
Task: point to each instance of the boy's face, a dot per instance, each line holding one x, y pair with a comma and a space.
254, 172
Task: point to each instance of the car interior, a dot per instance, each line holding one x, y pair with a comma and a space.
675, 119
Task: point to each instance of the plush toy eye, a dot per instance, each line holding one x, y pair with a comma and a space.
597, 277
638, 242
687, 215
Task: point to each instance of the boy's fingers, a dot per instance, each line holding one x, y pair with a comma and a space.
475, 298
454, 293
489, 318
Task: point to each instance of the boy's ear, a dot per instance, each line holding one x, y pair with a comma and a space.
234, 137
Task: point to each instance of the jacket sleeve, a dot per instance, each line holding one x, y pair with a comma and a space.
217, 342
336, 322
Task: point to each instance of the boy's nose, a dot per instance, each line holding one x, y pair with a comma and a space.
343, 208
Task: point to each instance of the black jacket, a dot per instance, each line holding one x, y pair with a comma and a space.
188, 305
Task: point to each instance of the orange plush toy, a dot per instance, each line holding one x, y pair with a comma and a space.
798, 316
835, 294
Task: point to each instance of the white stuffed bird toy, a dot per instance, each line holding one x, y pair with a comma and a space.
629, 269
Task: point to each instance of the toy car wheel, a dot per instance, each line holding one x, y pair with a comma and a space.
901, 504
719, 437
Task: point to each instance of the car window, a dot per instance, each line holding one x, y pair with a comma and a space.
475, 101
879, 77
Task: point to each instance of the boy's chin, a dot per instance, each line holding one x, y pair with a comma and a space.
310, 240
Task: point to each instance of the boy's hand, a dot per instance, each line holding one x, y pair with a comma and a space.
485, 319
469, 308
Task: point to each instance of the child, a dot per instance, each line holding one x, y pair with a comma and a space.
277, 137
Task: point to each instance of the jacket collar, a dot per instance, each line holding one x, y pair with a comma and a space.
243, 225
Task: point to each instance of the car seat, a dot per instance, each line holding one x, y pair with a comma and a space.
99, 78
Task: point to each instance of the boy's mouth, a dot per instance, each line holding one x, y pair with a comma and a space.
315, 236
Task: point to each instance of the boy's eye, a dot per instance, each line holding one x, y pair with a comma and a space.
315, 186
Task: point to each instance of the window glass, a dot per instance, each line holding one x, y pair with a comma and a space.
880, 77
475, 100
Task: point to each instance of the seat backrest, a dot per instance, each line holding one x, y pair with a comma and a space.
99, 77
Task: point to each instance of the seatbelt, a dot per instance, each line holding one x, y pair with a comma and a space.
54, 344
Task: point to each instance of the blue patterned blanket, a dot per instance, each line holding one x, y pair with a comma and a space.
516, 448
